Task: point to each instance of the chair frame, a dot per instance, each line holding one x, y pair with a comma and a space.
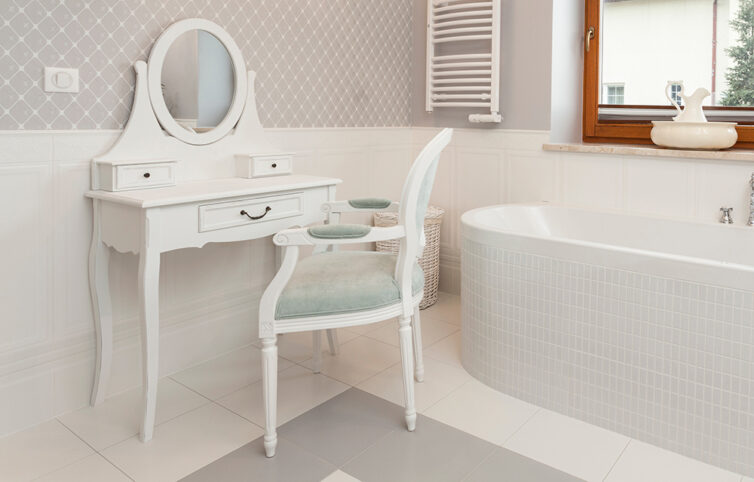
411, 235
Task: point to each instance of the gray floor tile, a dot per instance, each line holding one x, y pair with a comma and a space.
291, 463
506, 466
435, 452
344, 426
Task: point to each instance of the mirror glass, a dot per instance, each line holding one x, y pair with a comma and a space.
198, 81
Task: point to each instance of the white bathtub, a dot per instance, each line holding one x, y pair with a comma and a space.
642, 325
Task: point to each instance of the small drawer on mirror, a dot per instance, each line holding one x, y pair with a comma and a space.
250, 166
249, 211
138, 175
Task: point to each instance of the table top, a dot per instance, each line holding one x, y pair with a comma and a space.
209, 189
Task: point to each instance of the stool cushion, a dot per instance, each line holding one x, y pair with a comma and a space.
343, 282
339, 231
370, 203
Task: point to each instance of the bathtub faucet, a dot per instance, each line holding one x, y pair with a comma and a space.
751, 202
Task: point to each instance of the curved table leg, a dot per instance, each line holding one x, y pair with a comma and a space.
149, 310
99, 287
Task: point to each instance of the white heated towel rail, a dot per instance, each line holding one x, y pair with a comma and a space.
463, 56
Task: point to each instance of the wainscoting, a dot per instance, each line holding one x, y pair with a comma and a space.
209, 295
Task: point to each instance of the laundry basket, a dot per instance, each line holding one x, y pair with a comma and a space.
430, 260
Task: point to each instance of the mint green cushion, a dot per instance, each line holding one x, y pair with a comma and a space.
339, 231
342, 282
370, 203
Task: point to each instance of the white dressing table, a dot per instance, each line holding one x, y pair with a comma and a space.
206, 204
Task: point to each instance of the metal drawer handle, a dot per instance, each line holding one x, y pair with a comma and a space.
254, 218
274, 165
146, 174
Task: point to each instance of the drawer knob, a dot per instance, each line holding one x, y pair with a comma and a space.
254, 218
274, 165
146, 174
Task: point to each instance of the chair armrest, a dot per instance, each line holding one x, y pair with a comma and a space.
361, 205
302, 237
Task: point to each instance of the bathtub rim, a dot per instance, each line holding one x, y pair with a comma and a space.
665, 265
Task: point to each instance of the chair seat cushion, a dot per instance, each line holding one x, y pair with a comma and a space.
342, 282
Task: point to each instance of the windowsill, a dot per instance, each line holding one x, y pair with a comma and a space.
652, 151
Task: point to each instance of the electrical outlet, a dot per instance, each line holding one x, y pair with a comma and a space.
61, 80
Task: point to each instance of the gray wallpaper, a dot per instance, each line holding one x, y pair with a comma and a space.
320, 63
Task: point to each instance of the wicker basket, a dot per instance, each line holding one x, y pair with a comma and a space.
430, 260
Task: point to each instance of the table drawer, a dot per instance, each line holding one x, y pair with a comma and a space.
249, 211
263, 166
142, 176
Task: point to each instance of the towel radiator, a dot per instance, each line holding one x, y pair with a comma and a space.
463, 56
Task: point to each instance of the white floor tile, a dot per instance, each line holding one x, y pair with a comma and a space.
567, 444
119, 417
39, 450
340, 476
363, 329
299, 390
440, 380
183, 445
447, 309
218, 377
90, 469
297, 347
447, 350
432, 332
359, 359
479, 410
641, 462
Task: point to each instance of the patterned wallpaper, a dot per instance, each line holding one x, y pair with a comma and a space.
320, 63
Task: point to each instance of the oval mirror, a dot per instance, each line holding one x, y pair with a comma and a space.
197, 81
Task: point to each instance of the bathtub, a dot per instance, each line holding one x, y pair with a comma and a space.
641, 325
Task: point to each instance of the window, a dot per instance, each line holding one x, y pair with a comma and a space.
615, 94
675, 93
652, 45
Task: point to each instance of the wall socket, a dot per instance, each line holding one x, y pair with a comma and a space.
61, 80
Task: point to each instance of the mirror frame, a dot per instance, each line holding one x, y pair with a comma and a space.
154, 78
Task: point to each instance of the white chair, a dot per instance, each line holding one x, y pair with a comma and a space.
336, 289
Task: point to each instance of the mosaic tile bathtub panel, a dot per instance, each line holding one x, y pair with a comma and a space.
666, 361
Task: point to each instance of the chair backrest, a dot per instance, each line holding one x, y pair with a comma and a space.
414, 202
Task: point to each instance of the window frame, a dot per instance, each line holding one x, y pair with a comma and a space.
625, 131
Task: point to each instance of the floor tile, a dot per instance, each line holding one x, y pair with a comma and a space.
218, 377
506, 466
432, 332
447, 309
297, 347
358, 360
90, 469
39, 450
447, 350
119, 417
290, 463
363, 329
340, 476
183, 444
440, 379
479, 410
344, 426
641, 461
299, 390
568, 444
434, 452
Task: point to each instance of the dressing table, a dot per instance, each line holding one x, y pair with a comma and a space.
183, 176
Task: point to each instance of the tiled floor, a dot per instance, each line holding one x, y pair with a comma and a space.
209, 422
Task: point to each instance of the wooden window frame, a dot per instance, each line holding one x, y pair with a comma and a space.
630, 131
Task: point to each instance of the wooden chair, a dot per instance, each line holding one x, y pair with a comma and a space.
336, 289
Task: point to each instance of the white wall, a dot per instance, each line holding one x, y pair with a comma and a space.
208, 296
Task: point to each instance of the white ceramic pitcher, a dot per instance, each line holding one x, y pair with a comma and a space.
692, 110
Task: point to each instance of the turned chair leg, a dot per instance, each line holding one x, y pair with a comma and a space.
407, 357
332, 340
270, 388
416, 325
316, 351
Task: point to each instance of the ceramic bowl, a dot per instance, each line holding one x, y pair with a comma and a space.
694, 135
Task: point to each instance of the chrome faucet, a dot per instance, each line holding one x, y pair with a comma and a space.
751, 202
